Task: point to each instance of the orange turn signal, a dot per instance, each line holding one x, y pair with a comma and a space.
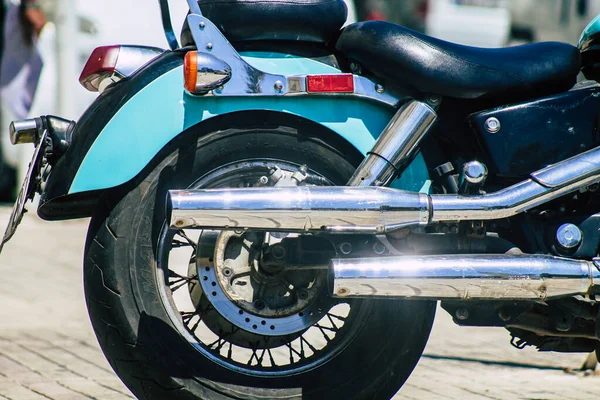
190, 71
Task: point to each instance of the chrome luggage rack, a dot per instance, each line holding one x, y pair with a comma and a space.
246, 80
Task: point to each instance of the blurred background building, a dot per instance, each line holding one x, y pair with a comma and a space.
78, 26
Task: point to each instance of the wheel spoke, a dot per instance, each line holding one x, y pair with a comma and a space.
179, 281
332, 323
294, 351
331, 315
255, 356
273, 363
310, 346
187, 241
322, 330
222, 338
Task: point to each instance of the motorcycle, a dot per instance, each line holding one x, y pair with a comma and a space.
277, 204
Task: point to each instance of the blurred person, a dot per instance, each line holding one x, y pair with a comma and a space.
20, 69
408, 13
21, 64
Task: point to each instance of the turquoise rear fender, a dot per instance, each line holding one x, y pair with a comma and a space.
162, 110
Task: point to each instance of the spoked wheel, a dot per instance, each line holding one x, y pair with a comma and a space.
244, 312
215, 315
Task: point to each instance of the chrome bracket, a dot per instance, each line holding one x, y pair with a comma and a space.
249, 81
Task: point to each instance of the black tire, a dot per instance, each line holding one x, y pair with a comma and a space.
140, 340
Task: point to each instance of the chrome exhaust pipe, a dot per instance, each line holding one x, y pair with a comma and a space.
372, 210
359, 209
464, 277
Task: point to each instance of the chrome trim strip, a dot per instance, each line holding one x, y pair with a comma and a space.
463, 277
570, 170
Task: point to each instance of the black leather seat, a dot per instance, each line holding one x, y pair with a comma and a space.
245, 20
401, 56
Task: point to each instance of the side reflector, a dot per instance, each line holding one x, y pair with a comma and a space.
339, 83
100, 65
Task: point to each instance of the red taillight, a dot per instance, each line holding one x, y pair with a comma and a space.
100, 65
339, 83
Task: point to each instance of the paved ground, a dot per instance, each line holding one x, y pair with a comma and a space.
48, 350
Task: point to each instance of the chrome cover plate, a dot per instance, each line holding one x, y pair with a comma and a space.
28, 190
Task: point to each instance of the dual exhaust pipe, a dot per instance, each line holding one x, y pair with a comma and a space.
378, 210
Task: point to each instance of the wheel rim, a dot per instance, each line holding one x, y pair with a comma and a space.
252, 348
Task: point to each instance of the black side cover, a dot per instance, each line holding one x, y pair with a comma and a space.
302, 20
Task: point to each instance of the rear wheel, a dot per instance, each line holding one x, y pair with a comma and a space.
198, 314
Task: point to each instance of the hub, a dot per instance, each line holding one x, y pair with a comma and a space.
251, 284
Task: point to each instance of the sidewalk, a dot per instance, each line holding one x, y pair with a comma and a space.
48, 349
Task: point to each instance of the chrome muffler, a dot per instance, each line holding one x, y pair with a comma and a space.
372, 210
464, 277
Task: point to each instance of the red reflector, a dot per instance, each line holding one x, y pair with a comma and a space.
340, 83
102, 63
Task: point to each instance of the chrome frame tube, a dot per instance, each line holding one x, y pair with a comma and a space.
463, 277
396, 147
545, 185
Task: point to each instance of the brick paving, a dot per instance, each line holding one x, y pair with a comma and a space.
48, 349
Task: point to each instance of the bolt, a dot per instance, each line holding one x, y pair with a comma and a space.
263, 180
434, 99
227, 272
278, 86
504, 315
259, 304
379, 88
568, 236
563, 323
209, 46
345, 248
492, 125
202, 25
302, 294
462, 314
278, 252
379, 248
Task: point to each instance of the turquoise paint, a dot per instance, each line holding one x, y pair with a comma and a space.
275, 63
590, 30
162, 110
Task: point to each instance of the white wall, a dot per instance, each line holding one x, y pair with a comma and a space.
116, 22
